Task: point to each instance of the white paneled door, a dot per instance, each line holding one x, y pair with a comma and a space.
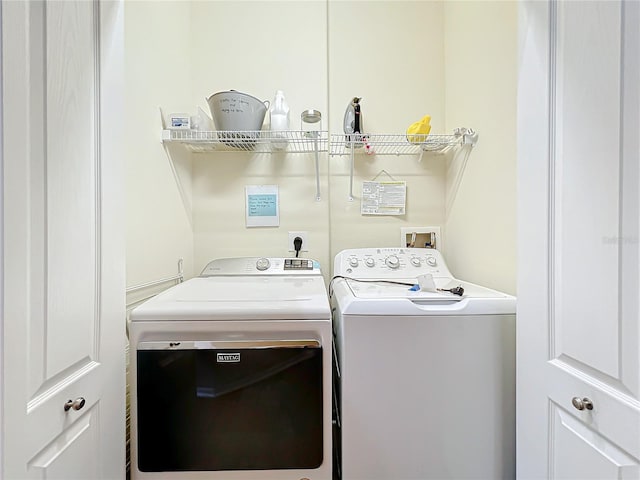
578, 346
63, 257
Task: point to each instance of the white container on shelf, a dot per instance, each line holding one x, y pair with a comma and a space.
279, 119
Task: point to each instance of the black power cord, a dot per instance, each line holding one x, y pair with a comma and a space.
297, 245
459, 290
455, 290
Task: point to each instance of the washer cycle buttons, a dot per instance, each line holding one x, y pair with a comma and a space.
263, 264
353, 261
431, 261
392, 261
369, 262
415, 261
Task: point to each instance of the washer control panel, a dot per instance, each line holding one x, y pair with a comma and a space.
374, 263
261, 266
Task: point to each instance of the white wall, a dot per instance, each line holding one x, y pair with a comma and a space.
453, 60
258, 48
389, 53
157, 68
481, 73
321, 55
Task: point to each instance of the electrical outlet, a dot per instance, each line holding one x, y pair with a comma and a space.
305, 242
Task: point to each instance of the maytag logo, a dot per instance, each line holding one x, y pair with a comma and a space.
228, 357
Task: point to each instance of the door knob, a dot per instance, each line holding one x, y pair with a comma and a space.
582, 404
76, 404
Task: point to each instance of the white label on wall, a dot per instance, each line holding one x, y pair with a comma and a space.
384, 198
262, 206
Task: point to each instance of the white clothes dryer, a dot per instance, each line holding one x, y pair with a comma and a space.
425, 379
231, 375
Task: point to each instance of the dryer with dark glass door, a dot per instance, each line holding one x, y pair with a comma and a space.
232, 375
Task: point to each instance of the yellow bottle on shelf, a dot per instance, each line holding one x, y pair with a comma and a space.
418, 131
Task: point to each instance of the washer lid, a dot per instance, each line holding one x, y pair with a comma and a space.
376, 289
378, 298
285, 297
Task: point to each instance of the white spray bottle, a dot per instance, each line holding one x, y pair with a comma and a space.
279, 118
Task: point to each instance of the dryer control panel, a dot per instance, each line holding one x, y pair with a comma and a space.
381, 263
261, 266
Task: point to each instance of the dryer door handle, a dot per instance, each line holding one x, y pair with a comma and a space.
227, 344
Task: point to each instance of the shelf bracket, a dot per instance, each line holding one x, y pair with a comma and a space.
317, 154
352, 155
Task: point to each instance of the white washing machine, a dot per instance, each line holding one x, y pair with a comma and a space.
425, 379
231, 375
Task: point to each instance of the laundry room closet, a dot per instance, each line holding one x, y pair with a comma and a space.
454, 61
107, 134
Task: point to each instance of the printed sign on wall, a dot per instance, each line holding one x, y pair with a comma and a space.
262, 209
384, 198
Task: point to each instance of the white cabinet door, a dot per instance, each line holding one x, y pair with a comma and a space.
63, 257
578, 327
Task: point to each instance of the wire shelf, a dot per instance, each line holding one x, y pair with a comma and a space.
288, 141
293, 141
398, 144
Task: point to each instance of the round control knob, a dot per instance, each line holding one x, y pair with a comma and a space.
263, 264
370, 262
415, 261
431, 261
392, 261
353, 261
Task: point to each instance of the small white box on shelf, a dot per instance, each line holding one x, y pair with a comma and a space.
179, 121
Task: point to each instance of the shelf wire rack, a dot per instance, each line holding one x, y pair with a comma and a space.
396, 144
293, 141
288, 141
